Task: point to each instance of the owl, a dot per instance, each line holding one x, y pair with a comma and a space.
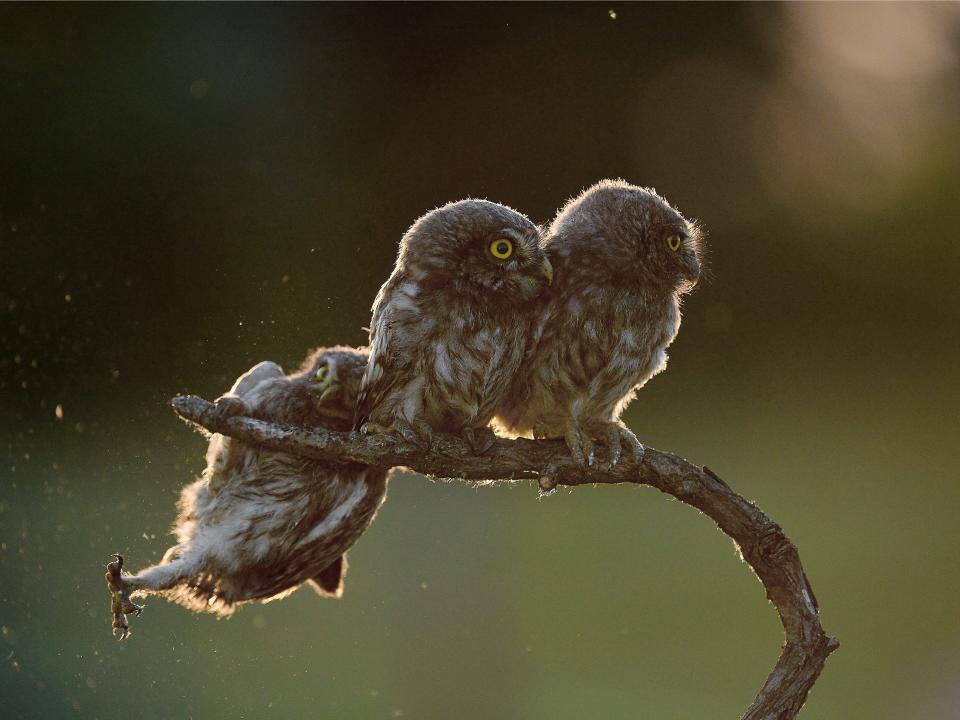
451, 323
624, 259
258, 523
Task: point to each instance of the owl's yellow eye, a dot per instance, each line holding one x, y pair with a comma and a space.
322, 374
674, 242
501, 248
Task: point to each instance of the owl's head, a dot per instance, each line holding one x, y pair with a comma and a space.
333, 377
628, 235
480, 248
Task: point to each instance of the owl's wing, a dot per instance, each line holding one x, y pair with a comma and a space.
390, 354
254, 376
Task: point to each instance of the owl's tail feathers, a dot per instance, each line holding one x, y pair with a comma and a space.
329, 581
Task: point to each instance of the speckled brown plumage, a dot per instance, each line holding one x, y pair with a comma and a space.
259, 523
606, 323
450, 325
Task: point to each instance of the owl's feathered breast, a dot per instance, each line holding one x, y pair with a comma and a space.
444, 353
593, 345
609, 325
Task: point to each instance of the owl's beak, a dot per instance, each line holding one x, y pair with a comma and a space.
547, 269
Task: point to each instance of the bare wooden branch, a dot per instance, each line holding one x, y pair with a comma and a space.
761, 541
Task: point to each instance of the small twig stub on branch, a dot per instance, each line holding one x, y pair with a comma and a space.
762, 543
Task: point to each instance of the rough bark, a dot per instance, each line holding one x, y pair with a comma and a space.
761, 542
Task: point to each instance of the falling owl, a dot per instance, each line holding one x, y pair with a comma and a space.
259, 523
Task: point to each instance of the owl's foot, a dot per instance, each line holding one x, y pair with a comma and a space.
479, 439
580, 445
120, 603
229, 406
577, 439
613, 435
418, 435
617, 435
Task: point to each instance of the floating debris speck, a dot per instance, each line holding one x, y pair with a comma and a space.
199, 89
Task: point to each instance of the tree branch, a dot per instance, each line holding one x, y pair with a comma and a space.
761, 542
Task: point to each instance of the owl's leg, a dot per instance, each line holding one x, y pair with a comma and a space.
479, 439
156, 579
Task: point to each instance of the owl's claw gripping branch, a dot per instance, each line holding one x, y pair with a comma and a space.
120, 603
419, 436
619, 435
580, 446
762, 543
611, 437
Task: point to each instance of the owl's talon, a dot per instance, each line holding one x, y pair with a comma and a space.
588, 450
578, 445
617, 436
614, 446
417, 434
636, 447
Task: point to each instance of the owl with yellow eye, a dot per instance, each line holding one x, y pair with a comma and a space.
260, 523
624, 259
450, 325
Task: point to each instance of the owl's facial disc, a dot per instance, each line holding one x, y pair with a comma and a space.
678, 251
326, 379
522, 256
693, 267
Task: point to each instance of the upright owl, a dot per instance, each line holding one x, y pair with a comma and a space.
258, 523
450, 325
624, 259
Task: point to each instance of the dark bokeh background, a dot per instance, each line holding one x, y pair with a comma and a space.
186, 190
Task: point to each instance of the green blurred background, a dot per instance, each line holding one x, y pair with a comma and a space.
186, 190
